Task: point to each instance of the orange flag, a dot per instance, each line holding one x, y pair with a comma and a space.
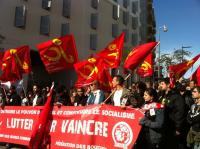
196, 76
58, 54
15, 63
40, 128
87, 71
177, 71
138, 54
111, 55
146, 68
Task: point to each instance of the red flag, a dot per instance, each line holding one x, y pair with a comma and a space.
87, 71
196, 76
105, 80
146, 68
138, 54
177, 71
1, 58
111, 55
40, 129
15, 63
58, 54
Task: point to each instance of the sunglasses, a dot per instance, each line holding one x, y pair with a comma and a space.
194, 91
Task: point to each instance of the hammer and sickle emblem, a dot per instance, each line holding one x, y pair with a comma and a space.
112, 47
116, 54
145, 66
92, 60
59, 52
14, 52
91, 69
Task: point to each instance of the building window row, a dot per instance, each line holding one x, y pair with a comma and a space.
45, 26
66, 11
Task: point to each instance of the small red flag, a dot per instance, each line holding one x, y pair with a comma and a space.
138, 54
15, 63
111, 55
87, 71
177, 71
58, 54
146, 68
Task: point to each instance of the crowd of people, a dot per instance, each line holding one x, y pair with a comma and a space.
171, 114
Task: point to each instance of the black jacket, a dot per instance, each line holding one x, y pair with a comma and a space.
193, 117
174, 111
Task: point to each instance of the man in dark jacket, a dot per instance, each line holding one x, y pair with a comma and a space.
174, 114
13, 98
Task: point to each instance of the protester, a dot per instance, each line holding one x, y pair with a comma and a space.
193, 138
151, 135
13, 98
174, 115
121, 96
36, 99
82, 98
96, 96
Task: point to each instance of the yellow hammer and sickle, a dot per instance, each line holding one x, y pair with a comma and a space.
59, 52
92, 60
55, 58
92, 71
112, 47
14, 52
116, 54
145, 66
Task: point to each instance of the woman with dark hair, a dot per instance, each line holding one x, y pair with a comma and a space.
193, 138
151, 134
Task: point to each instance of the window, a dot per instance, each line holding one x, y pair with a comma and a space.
45, 25
46, 4
134, 22
125, 18
20, 16
94, 4
125, 3
93, 41
115, 30
135, 7
66, 8
65, 30
94, 21
116, 10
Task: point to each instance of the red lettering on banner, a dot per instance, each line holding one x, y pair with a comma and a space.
89, 127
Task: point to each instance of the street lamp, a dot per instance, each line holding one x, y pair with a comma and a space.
164, 29
183, 47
